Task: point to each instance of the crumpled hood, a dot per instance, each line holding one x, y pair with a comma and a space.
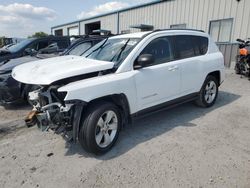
47, 71
10, 64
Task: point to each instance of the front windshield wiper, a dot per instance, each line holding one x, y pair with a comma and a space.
98, 47
121, 50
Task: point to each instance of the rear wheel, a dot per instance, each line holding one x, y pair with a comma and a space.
208, 93
237, 69
100, 128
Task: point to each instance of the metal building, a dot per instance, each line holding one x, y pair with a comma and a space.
224, 20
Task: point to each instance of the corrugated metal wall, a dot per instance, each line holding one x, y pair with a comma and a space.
107, 22
65, 28
195, 13
229, 51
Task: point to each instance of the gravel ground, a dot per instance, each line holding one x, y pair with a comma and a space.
186, 146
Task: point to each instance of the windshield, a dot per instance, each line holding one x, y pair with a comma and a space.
20, 45
80, 48
112, 50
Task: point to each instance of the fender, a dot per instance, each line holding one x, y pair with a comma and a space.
101, 86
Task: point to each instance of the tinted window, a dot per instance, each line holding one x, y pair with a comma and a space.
203, 42
62, 44
41, 45
33, 46
190, 46
160, 48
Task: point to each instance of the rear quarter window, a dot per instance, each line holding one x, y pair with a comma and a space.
187, 46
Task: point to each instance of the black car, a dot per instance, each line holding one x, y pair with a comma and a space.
32, 46
12, 91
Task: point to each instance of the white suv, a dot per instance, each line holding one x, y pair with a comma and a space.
91, 97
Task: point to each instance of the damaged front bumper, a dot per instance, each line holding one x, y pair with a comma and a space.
62, 117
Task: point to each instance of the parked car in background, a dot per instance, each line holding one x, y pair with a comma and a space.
91, 97
11, 91
32, 46
7, 46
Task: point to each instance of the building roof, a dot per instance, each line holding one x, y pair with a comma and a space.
113, 12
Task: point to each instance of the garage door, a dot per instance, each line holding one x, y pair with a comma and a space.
73, 31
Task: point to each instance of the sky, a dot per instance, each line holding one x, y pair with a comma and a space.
21, 18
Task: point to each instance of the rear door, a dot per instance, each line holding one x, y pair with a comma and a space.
190, 51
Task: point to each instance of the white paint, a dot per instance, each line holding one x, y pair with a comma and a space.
143, 88
47, 71
153, 85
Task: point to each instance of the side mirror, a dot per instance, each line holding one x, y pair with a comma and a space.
144, 60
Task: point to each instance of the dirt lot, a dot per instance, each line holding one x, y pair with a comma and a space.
183, 147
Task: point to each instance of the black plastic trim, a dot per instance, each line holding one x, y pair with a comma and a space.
165, 105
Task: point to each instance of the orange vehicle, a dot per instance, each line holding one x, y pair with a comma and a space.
242, 65
244, 52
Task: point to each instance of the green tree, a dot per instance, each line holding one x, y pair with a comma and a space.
38, 35
1, 41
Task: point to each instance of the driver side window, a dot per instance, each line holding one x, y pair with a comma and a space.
33, 46
160, 49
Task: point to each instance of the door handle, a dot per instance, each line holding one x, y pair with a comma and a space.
173, 68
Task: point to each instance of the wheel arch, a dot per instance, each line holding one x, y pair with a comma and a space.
217, 75
118, 99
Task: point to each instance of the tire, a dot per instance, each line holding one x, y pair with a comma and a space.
208, 93
237, 69
98, 134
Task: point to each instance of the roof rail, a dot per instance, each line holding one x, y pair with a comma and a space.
171, 29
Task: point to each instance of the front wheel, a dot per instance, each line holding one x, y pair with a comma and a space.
208, 93
100, 128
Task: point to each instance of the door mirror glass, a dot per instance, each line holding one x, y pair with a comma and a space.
144, 60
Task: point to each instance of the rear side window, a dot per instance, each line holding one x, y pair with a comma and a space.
38, 45
42, 44
189, 46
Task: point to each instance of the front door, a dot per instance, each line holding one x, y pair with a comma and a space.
160, 81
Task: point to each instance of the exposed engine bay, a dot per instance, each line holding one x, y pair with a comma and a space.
50, 111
